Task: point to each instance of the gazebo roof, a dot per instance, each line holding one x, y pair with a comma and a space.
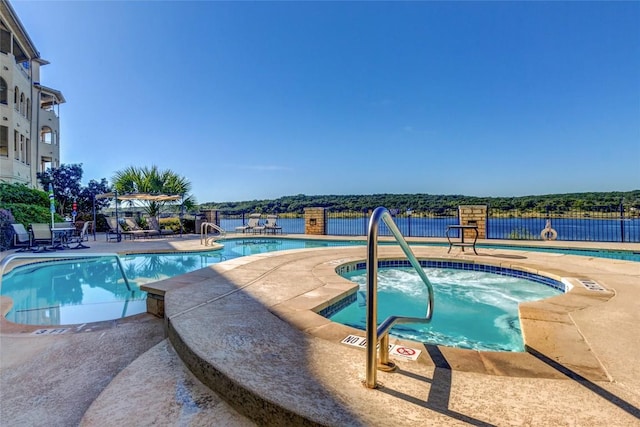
140, 196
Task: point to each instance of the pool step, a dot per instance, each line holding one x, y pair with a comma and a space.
158, 389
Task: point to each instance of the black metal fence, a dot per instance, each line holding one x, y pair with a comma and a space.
598, 224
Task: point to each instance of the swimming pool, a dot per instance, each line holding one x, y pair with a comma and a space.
88, 290
476, 306
50, 294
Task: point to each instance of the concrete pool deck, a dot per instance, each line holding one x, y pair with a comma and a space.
284, 365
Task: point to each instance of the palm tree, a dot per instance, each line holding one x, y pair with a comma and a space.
151, 181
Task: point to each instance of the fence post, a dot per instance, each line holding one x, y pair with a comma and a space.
622, 220
365, 217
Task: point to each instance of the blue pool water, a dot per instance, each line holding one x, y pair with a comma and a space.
94, 289
80, 291
473, 309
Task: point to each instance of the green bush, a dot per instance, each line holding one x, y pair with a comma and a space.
6, 231
20, 193
170, 224
27, 214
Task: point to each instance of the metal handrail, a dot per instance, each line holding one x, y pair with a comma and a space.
12, 257
204, 232
381, 333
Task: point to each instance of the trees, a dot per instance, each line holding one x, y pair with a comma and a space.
26, 204
87, 194
67, 189
66, 184
152, 181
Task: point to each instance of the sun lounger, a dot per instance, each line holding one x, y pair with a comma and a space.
155, 225
271, 226
254, 221
114, 230
135, 231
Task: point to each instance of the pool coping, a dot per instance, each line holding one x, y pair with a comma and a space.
292, 286
221, 344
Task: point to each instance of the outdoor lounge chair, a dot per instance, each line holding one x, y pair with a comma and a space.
271, 225
254, 221
21, 238
135, 231
114, 230
155, 226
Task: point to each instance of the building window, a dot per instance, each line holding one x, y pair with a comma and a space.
16, 97
28, 109
46, 135
16, 141
4, 141
28, 151
23, 149
22, 104
4, 92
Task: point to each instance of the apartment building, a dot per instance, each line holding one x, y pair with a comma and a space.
29, 110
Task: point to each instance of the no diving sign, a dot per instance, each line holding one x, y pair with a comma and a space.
404, 352
394, 350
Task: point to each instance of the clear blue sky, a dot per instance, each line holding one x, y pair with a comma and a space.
258, 100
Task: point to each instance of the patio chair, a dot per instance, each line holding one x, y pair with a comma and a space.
21, 237
254, 221
41, 237
271, 225
82, 236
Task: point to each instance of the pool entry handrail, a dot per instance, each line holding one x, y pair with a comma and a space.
12, 257
204, 232
381, 333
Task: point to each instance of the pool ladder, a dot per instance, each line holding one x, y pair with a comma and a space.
205, 228
381, 333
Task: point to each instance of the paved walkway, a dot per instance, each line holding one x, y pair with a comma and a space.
286, 359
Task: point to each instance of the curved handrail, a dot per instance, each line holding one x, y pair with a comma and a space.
382, 332
204, 232
12, 257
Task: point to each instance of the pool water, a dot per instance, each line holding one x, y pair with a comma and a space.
82, 291
94, 289
472, 309
71, 292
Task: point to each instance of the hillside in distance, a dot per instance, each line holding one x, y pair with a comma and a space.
432, 203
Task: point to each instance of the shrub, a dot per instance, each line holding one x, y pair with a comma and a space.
26, 214
6, 231
170, 224
20, 193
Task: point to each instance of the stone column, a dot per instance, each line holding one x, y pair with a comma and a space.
315, 221
211, 215
473, 215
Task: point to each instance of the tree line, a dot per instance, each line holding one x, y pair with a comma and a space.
433, 203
